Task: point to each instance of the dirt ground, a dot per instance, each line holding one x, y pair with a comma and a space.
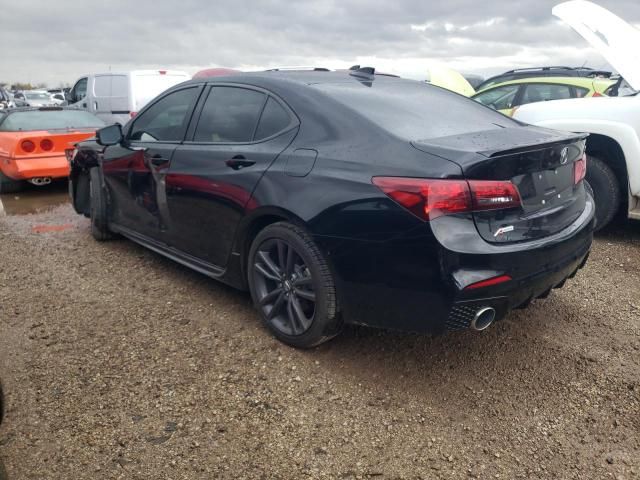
119, 364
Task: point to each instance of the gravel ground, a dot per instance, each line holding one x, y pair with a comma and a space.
121, 364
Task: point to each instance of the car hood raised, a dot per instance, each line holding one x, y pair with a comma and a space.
616, 40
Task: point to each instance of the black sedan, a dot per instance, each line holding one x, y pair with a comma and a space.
344, 197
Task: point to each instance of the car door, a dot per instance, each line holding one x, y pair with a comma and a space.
135, 171
100, 102
77, 97
239, 133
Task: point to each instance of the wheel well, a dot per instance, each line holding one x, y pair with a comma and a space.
610, 152
251, 232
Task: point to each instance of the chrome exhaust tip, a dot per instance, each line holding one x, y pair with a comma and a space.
40, 181
483, 318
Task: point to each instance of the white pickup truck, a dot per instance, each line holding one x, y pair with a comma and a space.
613, 146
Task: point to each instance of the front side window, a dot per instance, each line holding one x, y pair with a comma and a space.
542, 92
499, 98
230, 115
166, 120
80, 90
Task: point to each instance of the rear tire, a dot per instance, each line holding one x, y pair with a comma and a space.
606, 190
9, 185
292, 286
98, 208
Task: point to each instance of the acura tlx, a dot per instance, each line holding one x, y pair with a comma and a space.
344, 197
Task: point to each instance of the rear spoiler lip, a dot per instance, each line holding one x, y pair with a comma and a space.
434, 147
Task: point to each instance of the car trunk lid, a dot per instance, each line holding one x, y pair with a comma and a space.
539, 162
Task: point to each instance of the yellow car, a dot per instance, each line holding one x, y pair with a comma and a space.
506, 97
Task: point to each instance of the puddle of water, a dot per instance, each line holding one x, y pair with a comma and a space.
34, 199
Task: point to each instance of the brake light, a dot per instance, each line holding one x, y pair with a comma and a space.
46, 145
489, 282
69, 153
579, 169
491, 195
28, 146
431, 198
162, 72
597, 94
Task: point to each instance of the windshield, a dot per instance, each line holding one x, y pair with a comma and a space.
37, 95
49, 120
415, 110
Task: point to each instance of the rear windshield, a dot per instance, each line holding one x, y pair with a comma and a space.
48, 120
415, 110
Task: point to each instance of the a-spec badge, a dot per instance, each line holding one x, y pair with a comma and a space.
503, 230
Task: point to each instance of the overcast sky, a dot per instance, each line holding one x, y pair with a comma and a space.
54, 42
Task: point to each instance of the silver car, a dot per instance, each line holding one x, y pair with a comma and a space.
38, 98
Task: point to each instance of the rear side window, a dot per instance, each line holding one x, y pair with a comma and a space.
229, 115
274, 119
581, 92
166, 120
542, 92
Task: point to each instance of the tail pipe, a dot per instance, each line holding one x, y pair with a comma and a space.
483, 318
40, 181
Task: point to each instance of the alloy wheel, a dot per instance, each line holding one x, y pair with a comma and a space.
284, 287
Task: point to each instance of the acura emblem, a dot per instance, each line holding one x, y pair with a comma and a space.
564, 156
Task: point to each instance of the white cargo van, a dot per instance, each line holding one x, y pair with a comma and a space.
117, 97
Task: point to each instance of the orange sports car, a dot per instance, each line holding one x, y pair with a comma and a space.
33, 143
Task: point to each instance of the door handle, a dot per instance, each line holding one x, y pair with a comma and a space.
156, 160
84, 105
239, 162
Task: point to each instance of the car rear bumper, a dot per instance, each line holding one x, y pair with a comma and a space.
417, 283
24, 168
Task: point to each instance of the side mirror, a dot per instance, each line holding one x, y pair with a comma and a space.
111, 135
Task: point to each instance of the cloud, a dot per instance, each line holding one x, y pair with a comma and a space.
55, 45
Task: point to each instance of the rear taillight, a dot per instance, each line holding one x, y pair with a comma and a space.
579, 169
46, 145
432, 198
492, 195
28, 146
132, 114
69, 153
597, 94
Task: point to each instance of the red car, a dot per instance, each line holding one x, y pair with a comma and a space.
33, 143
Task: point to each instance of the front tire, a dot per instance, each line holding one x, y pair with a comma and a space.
9, 185
606, 190
98, 208
292, 286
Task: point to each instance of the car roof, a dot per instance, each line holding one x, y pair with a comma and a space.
297, 77
585, 82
